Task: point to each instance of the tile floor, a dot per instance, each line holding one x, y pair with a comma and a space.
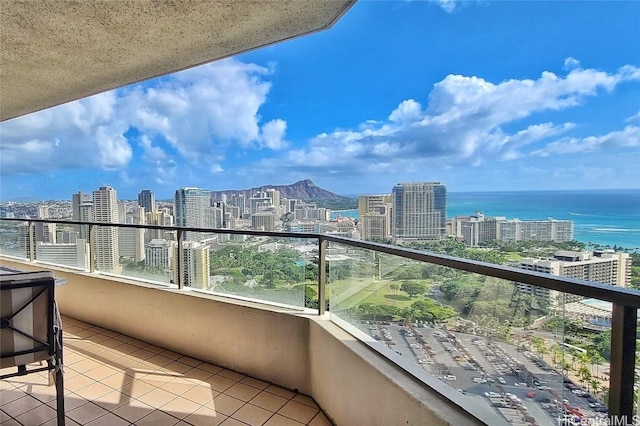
111, 380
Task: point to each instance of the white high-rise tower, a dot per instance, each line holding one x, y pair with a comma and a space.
105, 209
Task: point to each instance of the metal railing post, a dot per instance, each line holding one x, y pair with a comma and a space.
180, 259
92, 249
322, 275
623, 357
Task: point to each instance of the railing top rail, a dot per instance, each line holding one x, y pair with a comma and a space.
174, 228
614, 294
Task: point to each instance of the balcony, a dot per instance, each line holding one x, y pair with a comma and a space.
349, 364
112, 379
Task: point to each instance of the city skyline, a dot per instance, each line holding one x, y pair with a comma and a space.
482, 95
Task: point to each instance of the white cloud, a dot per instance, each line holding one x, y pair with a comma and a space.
203, 109
635, 117
626, 138
151, 153
113, 150
197, 115
571, 63
273, 134
406, 112
447, 5
465, 123
82, 134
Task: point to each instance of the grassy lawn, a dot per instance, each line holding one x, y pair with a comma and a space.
378, 293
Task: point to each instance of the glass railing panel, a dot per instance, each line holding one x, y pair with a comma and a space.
62, 244
14, 239
565, 355
148, 254
527, 354
278, 270
127, 252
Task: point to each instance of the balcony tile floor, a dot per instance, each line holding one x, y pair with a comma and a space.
112, 380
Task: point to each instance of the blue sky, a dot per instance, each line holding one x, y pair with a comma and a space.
482, 96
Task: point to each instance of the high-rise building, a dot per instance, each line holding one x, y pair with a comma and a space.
195, 265
274, 194
131, 240
43, 211
374, 212
606, 267
25, 239
419, 211
105, 210
86, 215
303, 211
160, 217
74, 254
147, 199
478, 229
475, 229
190, 205
214, 217
159, 252
374, 226
259, 202
535, 230
263, 221
374, 203
239, 201
77, 200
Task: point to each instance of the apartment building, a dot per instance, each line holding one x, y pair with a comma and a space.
194, 265
477, 229
105, 209
190, 205
70, 254
535, 230
263, 221
147, 199
606, 267
159, 253
419, 211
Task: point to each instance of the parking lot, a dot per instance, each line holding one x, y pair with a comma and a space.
518, 385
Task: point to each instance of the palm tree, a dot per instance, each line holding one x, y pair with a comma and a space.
543, 350
566, 368
595, 359
585, 375
574, 357
595, 385
555, 350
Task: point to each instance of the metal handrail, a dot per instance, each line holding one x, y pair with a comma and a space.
626, 302
614, 294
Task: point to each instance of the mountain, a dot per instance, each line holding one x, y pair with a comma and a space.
301, 190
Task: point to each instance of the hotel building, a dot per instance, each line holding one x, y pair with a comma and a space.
419, 211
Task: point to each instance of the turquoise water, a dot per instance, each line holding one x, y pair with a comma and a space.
600, 217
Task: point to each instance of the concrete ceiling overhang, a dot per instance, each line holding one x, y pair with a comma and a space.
53, 51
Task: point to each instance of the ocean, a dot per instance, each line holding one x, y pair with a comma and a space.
604, 217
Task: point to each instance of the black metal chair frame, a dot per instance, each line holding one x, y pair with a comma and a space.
53, 345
